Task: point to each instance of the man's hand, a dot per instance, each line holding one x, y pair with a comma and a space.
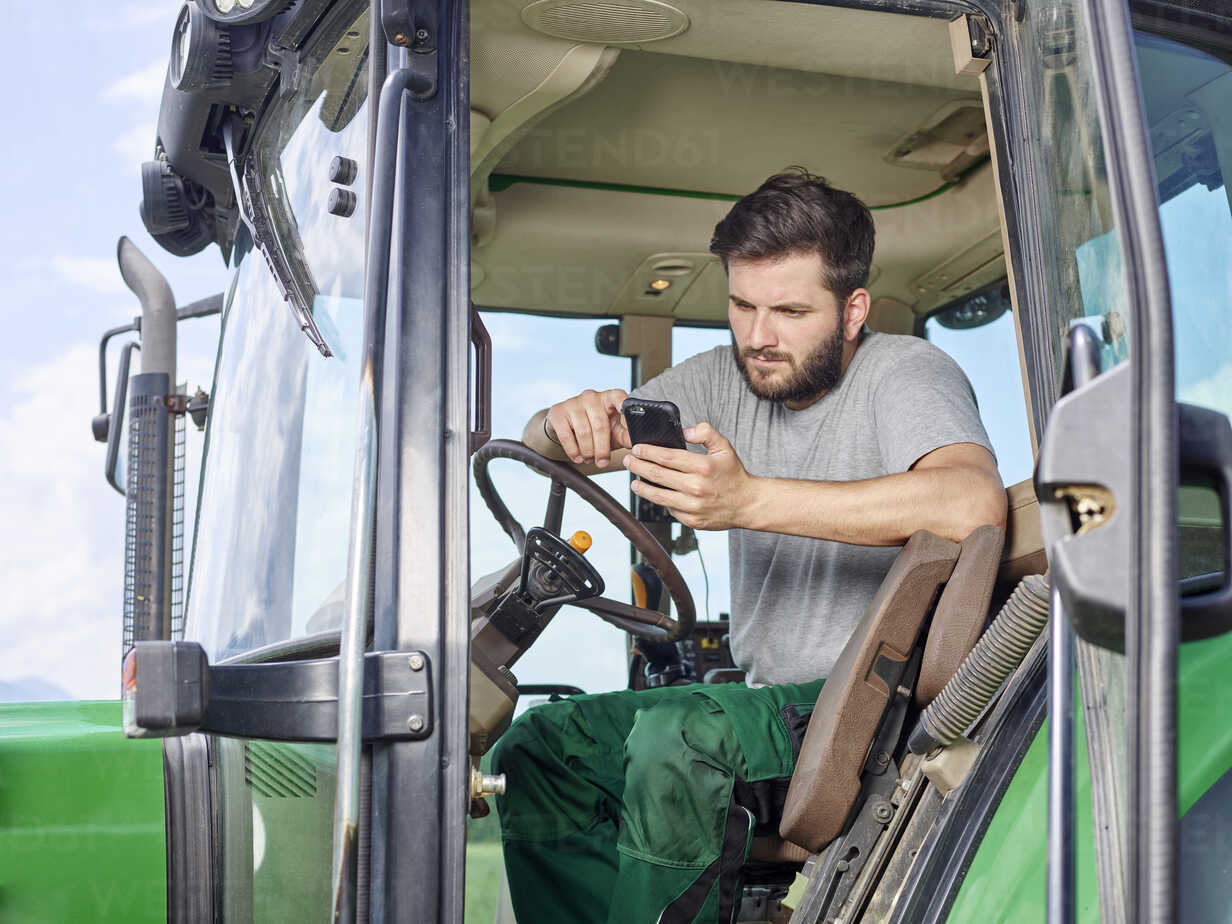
711, 491
589, 426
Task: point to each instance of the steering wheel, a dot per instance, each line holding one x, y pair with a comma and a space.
645, 623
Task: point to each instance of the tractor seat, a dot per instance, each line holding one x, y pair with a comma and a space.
852, 703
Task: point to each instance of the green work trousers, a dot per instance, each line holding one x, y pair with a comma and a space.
640, 807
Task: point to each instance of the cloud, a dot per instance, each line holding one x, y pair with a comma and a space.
1214, 391
133, 16
62, 555
99, 274
135, 144
144, 86
507, 333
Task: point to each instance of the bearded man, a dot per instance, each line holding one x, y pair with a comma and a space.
825, 447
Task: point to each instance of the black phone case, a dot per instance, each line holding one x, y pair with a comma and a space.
657, 423
654, 422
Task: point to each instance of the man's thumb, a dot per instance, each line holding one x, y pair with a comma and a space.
707, 436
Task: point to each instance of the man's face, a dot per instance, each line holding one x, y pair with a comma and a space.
787, 338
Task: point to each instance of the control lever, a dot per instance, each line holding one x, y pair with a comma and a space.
553, 573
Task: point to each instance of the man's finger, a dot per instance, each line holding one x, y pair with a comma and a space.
580, 423
613, 398
564, 433
707, 436
600, 432
620, 431
680, 460
669, 478
672, 500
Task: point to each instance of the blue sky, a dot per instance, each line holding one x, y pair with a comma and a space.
84, 84
83, 104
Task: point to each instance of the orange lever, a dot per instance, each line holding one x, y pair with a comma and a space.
580, 541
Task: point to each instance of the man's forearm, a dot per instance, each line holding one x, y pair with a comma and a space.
950, 502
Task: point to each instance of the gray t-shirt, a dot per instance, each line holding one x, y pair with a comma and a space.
794, 600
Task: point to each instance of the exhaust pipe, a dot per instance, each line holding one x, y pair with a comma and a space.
151, 548
157, 308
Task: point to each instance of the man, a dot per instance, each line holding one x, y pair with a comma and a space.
825, 446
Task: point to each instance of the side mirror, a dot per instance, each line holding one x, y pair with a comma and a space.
112, 425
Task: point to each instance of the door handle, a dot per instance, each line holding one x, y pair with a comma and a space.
482, 342
1206, 449
1084, 492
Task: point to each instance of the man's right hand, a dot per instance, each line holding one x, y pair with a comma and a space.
589, 426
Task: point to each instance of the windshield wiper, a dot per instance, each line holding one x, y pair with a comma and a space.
298, 289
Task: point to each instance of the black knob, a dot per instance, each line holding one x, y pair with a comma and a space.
101, 425
341, 202
343, 170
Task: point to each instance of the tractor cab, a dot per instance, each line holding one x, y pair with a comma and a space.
439, 218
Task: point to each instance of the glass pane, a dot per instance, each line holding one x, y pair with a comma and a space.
708, 569
1188, 97
1084, 266
275, 816
536, 362
1084, 277
269, 555
979, 335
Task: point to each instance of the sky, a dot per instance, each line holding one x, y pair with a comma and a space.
83, 106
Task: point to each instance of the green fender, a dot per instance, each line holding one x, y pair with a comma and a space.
81, 817
1007, 880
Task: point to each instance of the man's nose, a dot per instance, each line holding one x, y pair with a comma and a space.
762, 334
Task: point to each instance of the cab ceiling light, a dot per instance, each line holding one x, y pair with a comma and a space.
660, 284
606, 22
200, 51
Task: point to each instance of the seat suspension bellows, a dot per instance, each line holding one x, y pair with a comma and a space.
999, 651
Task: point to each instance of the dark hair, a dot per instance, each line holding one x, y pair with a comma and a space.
795, 213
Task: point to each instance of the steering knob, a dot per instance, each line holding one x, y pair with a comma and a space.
554, 571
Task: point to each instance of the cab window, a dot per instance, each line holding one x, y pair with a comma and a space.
977, 331
537, 361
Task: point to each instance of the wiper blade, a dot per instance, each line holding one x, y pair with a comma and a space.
298, 290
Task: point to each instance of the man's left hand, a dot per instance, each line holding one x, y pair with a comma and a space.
711, 491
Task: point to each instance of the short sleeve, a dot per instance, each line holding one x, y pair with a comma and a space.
689, 385
922, 403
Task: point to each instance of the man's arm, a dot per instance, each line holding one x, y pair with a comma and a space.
949, 491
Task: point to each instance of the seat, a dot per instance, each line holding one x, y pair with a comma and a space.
852, 704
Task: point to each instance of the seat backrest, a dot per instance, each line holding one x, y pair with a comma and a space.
854, 697
961, 611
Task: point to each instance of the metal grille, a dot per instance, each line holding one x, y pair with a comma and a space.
177, 530
278, 771
146, 510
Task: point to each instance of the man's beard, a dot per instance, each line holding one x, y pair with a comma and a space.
819, 372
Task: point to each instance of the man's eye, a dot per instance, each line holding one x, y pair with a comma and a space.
790, 312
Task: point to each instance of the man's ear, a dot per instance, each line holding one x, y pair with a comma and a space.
855, 313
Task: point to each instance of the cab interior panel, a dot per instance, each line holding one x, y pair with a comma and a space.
597, 163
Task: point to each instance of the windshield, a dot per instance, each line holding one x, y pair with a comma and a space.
269, 556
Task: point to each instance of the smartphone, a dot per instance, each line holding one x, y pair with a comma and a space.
657, 423
654, 422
